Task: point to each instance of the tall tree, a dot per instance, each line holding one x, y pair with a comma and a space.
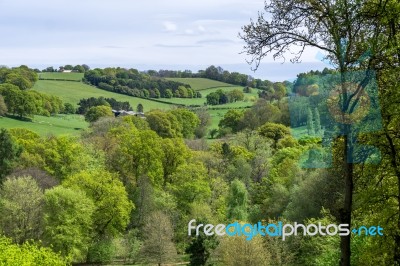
68, 221
112, 206
310, 122
3, 106
317, 121
335, 27
158, 246
9, 153
21, 202
238, 200
139, 107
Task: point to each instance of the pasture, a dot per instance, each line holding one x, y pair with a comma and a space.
72, 92
200, 84
54, 125
59, 75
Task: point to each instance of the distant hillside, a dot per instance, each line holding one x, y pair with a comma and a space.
201, 83
61, 76
72, 92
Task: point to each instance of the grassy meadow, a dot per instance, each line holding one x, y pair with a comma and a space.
200, 84
54, 125
59, 75
72, 92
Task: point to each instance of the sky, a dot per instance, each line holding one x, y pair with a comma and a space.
150, 34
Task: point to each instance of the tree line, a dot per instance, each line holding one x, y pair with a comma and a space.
16, 99
132, 82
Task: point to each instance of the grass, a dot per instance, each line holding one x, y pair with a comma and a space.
300, 132
54, 125
72, 92
249, 98
58, 75
216, 116
201, 83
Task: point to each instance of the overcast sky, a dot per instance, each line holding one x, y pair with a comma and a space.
148, 34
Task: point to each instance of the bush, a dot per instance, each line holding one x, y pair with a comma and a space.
101, 252
28, 254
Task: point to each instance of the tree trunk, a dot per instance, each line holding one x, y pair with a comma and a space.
345, 215
393, 161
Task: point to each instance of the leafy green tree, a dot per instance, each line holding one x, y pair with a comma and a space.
188, 120
96, 112
213, 132
317, 121
236, 250
79, 68
213, 98
168, 94
59, 156
18, 102
310, 122
138, 154
68, 222
205, 122
9, 153
139, 108
3, 106
238, 200
158, 246
19, 81
232, 119
274, 132
21, 203
164, 123
101, 251
112, 206
260, 113
279, 90
28, 254
235, 95
69, 108
175, 153
189, 184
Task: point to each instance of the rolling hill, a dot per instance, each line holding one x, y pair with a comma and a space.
61, 76
200, 84
72, 92
54, 125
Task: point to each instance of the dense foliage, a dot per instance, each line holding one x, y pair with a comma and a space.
132, 82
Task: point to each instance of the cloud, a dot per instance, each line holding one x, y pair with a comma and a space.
113, 47
216, 41
177, 46
201, 28
169, 26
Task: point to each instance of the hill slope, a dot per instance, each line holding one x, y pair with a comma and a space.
55, 125
201, 83
58, 75
72, 92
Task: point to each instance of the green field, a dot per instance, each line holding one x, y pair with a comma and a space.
300, 132
201, 83
54, 125
249, 99
59, 75
72, 92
